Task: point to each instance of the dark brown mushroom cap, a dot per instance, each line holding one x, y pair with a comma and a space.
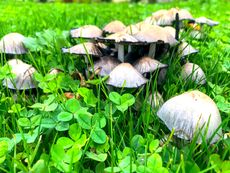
23, 75
125, 75
204, 20
12, 44
186, 49
83, 49
155, 34
114, 27
147, 65
87, 31
106, 65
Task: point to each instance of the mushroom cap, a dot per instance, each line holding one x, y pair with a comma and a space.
55, 71
186, 49
147, 64
106, 64
155, 100
155, 34
121, 37
150, 20
131, 29
125, 75
83, 49
189, 113
204, 20
87, 31
24, 75
12, 44
170, 30
114, 27
185, 15
191, 71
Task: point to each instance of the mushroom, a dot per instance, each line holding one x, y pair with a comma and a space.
186, 49
190, 114
170, 30
106, 65
120, 39
204, 20
87, 32
148, 65
83, 49
114, 27
193, 72
12, 44
153, 35
155, 100
125, 75
23, 79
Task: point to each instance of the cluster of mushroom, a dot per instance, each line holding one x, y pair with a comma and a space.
185, 113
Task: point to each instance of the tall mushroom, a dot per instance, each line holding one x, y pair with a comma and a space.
190, 114
114, 27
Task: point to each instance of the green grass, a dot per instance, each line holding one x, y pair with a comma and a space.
97, 131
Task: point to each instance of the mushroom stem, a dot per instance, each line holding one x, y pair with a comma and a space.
152, 50
129, 48
121, 52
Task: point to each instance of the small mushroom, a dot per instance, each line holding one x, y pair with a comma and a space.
193, 72
12, 44
106, 65
204, 20
186, 49
125, 75
87, 32
24, 76
83, 49
192, 113
148, 65
114, 27
155, 100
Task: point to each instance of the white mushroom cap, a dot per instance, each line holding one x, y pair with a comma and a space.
24, 75
191, 71
83, 49
147, 64
155, 34
87, 31
204, 20
170, 30
155, 100
12, 44
114, 27
106, 64
131, 29
190, 113
186, 49
125, 75
121, 37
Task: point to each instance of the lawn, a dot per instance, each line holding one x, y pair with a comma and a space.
105, 129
